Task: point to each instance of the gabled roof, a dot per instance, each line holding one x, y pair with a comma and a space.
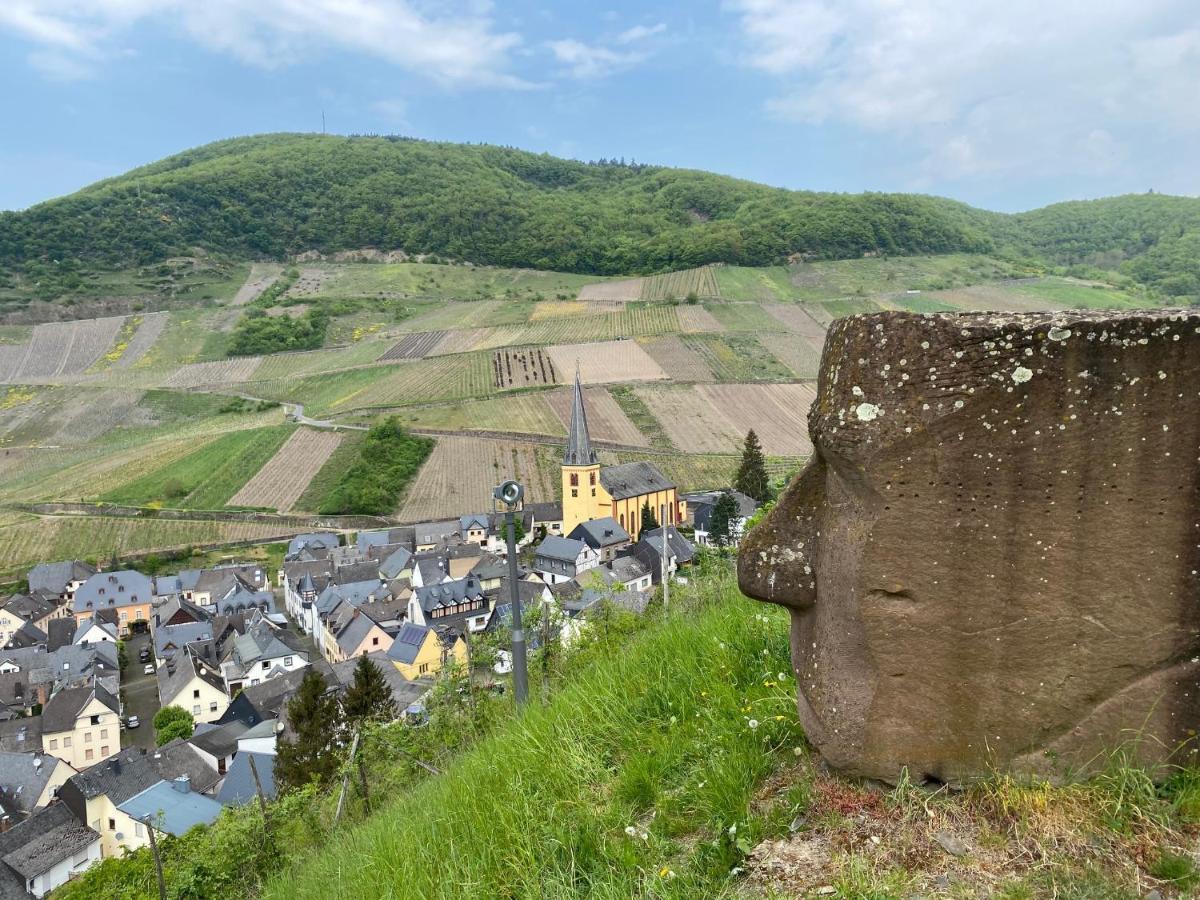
42, 841
113, 589
182, 670
357, 573
87, 625
55, 576
600, 533
545, 512
680, 547
323, 540
561, 548
404, 691
29, 607
633, 479
239, 786
624, 569
169, 639
119, 777
178, 608
408, 643
64, 707
473, 522
261, 641
449, 593
220, 741
29, 635
702, 515
23, 776
579, 450
178, 757
60, 633
434, 532
397, 561
170, 809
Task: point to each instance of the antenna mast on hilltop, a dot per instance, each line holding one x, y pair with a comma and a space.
322, 121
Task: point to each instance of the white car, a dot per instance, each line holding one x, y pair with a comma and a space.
149, 670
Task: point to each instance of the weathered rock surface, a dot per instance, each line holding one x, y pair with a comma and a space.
991, 559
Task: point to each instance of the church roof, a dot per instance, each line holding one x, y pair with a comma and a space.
579, 445
633, 479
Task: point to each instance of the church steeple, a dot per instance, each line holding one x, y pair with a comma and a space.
579, 445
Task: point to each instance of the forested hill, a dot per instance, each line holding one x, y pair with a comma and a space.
274, 195
278, 194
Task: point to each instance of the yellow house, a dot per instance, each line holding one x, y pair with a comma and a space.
128, 592
81, 726
592, 492
25, 609
418, 652
189, 683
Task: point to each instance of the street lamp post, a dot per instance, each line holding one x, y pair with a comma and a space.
510, 493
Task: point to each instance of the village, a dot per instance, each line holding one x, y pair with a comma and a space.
134, 705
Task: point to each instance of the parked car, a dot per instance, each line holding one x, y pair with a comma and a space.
144, 654
132, 722
149, 670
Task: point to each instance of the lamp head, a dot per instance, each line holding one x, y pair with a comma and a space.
509, 493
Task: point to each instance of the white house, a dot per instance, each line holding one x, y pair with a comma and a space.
48, 849
559, 559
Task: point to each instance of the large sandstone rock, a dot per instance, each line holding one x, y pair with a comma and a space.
991, 559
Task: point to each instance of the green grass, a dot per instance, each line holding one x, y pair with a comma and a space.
737, 357
451, 282
1077, 295
769, 283
640, 415
742, 316
208, 477
921, 304
877, 275
318, 490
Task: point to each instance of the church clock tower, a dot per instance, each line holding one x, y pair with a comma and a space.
582, 495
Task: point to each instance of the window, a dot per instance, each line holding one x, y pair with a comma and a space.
196, 694
592, 479
66, 743
287, 661
53, 743
196, 710
593, 492
88, 753
423, 668
212, 707
139, 829
112, 824
124, 615
87, 738
266, 664
104, 751
574, 479
574, 492
374, 642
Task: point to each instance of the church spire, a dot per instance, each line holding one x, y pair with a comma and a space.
579, 445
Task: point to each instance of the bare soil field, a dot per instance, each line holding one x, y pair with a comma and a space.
58, 349
143, 339
461, 340
459, 475
606, 420
261, 277
795, 351
414, 346
678, 360
607, 362
627, 289
279, 483
531, 367
778, 413
695, 318
714, 418
794, 318
222, 371
310, 282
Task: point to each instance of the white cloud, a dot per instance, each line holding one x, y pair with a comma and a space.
592, 61
456, 45
980, 89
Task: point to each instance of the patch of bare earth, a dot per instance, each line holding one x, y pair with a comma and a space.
261, 277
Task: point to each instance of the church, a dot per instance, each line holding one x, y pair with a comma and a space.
590, 491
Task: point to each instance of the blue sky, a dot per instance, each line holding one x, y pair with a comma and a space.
1004, 105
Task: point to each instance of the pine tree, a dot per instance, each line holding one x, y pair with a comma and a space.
368, 699
724, 515
752, 474
648, 519
314, 751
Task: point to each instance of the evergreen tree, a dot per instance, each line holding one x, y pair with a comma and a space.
720, 525
316, 722
752, 474
368, 699
648, 519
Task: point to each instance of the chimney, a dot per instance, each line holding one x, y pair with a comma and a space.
183, 784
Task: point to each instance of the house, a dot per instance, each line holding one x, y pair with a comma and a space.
94, 796
45, 852
178, 611
429, 536
31, 780
82, 726
460, 602
302, 583
170, 640
606, 536
217, 744
561, 559
193, 684
397, 564
169, 807
177, 758
700, 509
592, 492
93, 631
474, 529
626, 573
405, 691
548, 516
129, 592
260, 738
649, 552
28, 636
61, 579
240, 787
315, 546
401, 536
268, 700
26, 609
261, 653
22, 735
419, 651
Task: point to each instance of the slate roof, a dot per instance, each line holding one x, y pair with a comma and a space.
434, 532
178, 757
45, 839
679, 546
21, 734
561, 548
177, 674
169, 639
404, 692
241, 598
545, 512
395, 563
323, 540
220, 741
408, 643
358, 573
119, 777
55, 576
28, 636
579, 450
350, 630
88, 624
239, 786
473, 522
600, 533
624, 569
60, 713
113, 589
267, 699
321, 571
23, 776
702, 514
60, 633
29, 607
431, 568
171, 810
449, 593
177, 607
364, 540
633, 479
262, 641
68, 663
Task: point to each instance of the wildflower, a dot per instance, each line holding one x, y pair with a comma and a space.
781, 676
753, 723
798, 751
631, 831
674, 720
704, 693
779, 718
721, 645
733, 829
770, 684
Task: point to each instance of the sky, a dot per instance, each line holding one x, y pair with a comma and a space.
1005, 105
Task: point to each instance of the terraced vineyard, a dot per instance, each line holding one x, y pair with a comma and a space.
146, 409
